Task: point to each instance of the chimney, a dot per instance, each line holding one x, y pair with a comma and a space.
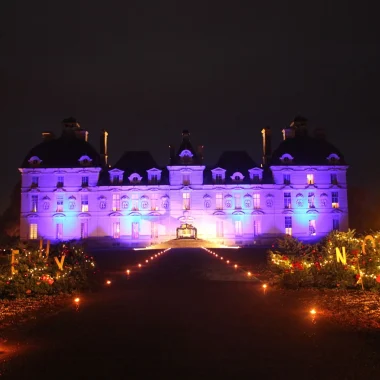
47, 136
288, 133
104, 147
267, 144
171, 154
320, 133
200, 153
81, 134
299, 124
70, 123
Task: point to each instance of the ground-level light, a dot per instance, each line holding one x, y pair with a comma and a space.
128, 271
139, 265
235, 266
108, 282
313, 311
77, 300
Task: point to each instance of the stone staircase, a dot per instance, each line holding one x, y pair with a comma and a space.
186, 243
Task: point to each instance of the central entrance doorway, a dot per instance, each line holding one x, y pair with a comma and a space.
186, 231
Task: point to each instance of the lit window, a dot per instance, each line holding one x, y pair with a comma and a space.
219, 201
186, 179
59, 231
336, 224
33, 231
116, 230
310, 179
286, 179
334, 179
34, 205
310, 200
115, 202
335, 199
135, 230
288, 225
237, 201
256, 201
287, 200
238, 228
256, 227
84, 229
219, 228
154, 230
60, 181
312, 228
60, 203
34, 181
84, 203
135, 202
186, 201
85, 181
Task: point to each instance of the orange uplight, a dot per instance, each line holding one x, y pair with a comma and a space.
265, 286
249, 274
108, 282
77, 300
313, 312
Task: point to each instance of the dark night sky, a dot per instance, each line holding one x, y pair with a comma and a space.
145, 70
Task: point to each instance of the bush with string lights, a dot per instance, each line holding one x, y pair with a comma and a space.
355, 265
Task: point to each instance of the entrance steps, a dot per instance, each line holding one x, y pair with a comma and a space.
187, 243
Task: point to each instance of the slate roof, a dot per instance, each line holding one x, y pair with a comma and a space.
135, 162
306, 150
63, 152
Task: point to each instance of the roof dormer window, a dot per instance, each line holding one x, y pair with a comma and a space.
218, 175
135, 178
154, 176
286, 159
34, 161
237, 177
255, 175
333, 159
85, 161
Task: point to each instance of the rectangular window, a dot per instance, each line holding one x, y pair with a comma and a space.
59, 231
115, 202
310, 200
135, 202
84, 229
84, 203
60, 181
154, 202
154, 230
288, 225
186, 201
34, 181
219, 201
116, 230
336, 224
287, 200
33, 231
59, 203
85, 181
310, 179
312, 228
218, 178
219, 228
34, 205
237, 201
186, 179
256, 201
334, 179
115, 180
256, 227
255, 178
238, 228
335, 199
135, 230
154, 179
286, 179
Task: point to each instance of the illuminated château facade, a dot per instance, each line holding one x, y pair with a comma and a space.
69, 191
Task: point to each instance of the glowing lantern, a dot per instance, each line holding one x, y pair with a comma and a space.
265, 286
235, 266
313, 312
77, 300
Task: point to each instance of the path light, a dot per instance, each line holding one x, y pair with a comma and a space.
228, 261
139, 265
108, 282
313, 312
155, 255
249, 274
151, 257
265, 286
147, 261
216, 255
128, 271
76, 300
235, 266
221, 258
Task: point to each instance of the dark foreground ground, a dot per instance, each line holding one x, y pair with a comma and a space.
187, 315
